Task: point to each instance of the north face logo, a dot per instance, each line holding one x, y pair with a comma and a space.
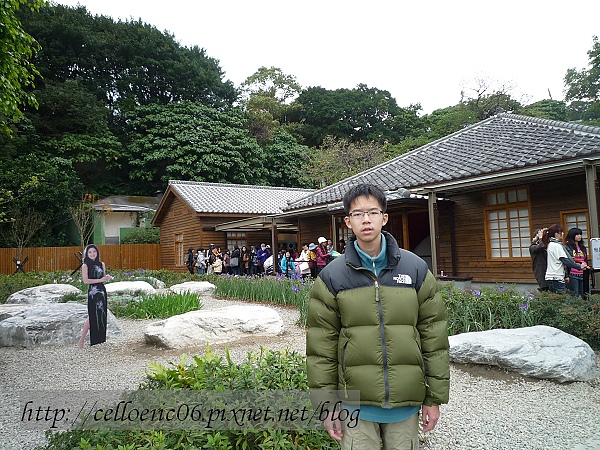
402, 279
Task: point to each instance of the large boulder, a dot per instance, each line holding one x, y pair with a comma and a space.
196, 287
539, 352
197, 328
129, 287
158, 284
42, 294
53, 324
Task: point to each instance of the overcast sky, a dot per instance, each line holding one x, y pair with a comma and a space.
421, 52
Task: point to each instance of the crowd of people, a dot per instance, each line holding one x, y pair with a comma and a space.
560, 265
308, 261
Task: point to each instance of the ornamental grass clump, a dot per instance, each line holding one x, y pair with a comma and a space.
278, 290
487, 309
160, 306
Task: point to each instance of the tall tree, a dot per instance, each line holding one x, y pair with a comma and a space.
546, 109
267, 96
190, 141
17, 73
45, 185
360, 114
286, 159
340, 158
583, 88
486, 98
124, 63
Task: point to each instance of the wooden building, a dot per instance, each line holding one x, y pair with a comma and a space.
189, 213
469, 203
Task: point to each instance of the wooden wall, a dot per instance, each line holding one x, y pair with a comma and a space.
198, 231
50, 259
178, 218
547, 200
311, 228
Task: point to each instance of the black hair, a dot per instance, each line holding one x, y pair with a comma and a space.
550, 233
571, 243
368, 190
87, 260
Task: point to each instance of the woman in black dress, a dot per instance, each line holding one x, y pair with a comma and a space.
93, 273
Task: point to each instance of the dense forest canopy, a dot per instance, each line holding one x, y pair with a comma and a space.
109, 107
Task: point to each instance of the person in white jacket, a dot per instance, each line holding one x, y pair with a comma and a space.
558, 260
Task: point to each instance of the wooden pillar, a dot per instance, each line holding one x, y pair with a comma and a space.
433, 230
591, 181
405, 232
274, 244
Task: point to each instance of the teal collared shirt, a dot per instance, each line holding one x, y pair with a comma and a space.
374, 413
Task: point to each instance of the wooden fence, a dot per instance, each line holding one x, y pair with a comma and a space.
50, 259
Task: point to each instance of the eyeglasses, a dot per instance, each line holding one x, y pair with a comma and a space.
360, 214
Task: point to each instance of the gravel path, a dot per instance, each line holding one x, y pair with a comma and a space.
488, 409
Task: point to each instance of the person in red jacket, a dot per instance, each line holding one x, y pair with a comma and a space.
322, 254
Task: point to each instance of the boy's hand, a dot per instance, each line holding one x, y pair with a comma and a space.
429, 416
334, 427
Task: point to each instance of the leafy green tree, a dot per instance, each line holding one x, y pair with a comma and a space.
72, 123
267, 96
341, 158
124, 63
46, 186
485, 99
445, 121
190, 141
17, 73
546, 109
286, 161
360, 114
583, 88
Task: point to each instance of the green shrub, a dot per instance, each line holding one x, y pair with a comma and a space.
142, 236
265, 370
504, 307
573, 315
159, 306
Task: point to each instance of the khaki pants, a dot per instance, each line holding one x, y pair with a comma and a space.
395, 436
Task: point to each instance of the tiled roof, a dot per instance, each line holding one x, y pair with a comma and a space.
127, 203
236, 198
502, 142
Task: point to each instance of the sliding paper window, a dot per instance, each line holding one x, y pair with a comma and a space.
508, 224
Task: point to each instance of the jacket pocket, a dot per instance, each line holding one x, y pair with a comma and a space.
343, 355
417, 339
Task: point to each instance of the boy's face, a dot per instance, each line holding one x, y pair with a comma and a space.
365, 227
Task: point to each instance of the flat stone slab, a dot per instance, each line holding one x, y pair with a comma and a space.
196, 287
129, 287
216, 326
539, 352
43, 294
52, 324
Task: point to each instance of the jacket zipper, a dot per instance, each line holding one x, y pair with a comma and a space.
344, 368
383, 342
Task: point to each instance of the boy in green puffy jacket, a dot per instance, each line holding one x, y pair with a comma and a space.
377, 324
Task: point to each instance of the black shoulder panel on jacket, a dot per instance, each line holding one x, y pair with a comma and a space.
409, 271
